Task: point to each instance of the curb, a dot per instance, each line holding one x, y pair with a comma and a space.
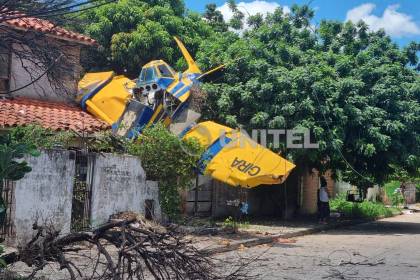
270, 239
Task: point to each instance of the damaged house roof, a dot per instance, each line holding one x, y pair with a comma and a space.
20, 21
53, 115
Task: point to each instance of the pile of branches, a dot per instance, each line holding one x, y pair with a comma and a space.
121, 250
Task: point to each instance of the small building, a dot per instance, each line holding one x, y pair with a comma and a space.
296, 196
27, 95
72, 189
20, 76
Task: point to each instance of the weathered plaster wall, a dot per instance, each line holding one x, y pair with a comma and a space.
119, 184
410, 193
44, 194
42, 88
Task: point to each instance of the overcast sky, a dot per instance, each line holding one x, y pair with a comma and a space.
399, 18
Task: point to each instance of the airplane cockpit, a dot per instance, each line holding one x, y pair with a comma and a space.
152, 82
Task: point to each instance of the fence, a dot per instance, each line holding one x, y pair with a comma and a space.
83, 179
72, 190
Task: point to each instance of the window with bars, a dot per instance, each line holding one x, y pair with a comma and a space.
5, 61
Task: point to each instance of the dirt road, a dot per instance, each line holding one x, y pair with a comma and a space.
387, 250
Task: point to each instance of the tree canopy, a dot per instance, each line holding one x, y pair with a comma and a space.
133, 32
355, 89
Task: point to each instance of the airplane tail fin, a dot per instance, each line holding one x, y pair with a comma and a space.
211, 71
192, 66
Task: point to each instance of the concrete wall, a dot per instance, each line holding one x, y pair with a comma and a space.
222, 193
410, 193
119, 184
44, 194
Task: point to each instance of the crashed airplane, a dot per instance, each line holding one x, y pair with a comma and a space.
162, 95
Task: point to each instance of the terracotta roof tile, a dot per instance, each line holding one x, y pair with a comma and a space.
57, 116
15, 19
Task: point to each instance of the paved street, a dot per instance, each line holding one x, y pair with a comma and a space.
387, 249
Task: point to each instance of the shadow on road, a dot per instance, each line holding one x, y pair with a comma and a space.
381, 228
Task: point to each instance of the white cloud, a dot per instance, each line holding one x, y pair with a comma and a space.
396, 24
251, 8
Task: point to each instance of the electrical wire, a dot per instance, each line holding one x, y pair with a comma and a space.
53, 12
338, 149
84, 9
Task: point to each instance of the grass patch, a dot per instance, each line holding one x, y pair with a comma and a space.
365, 209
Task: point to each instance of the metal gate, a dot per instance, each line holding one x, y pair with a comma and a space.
199, 198
81, 206
6, 222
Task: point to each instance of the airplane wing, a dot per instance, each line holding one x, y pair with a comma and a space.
104, 95
235, 159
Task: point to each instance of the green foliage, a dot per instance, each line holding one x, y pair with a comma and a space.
390, 187
353, 88
12, 167
107, 142
11, 153
169, 160
133, 32
215, 18
230, 224
397, 199
39, 137
365, 209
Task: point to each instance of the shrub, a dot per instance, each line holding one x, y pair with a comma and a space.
41, 137
365, 209
390, 188
397, 199
169, 160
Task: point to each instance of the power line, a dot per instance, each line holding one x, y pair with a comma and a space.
53, 12
338, 149
85, 9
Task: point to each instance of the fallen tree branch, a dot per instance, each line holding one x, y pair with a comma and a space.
122, 249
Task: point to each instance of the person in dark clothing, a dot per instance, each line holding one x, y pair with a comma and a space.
323, 202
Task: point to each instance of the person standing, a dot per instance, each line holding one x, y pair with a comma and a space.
323, 201
403, 189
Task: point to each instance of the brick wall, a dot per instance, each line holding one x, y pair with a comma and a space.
310, 185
